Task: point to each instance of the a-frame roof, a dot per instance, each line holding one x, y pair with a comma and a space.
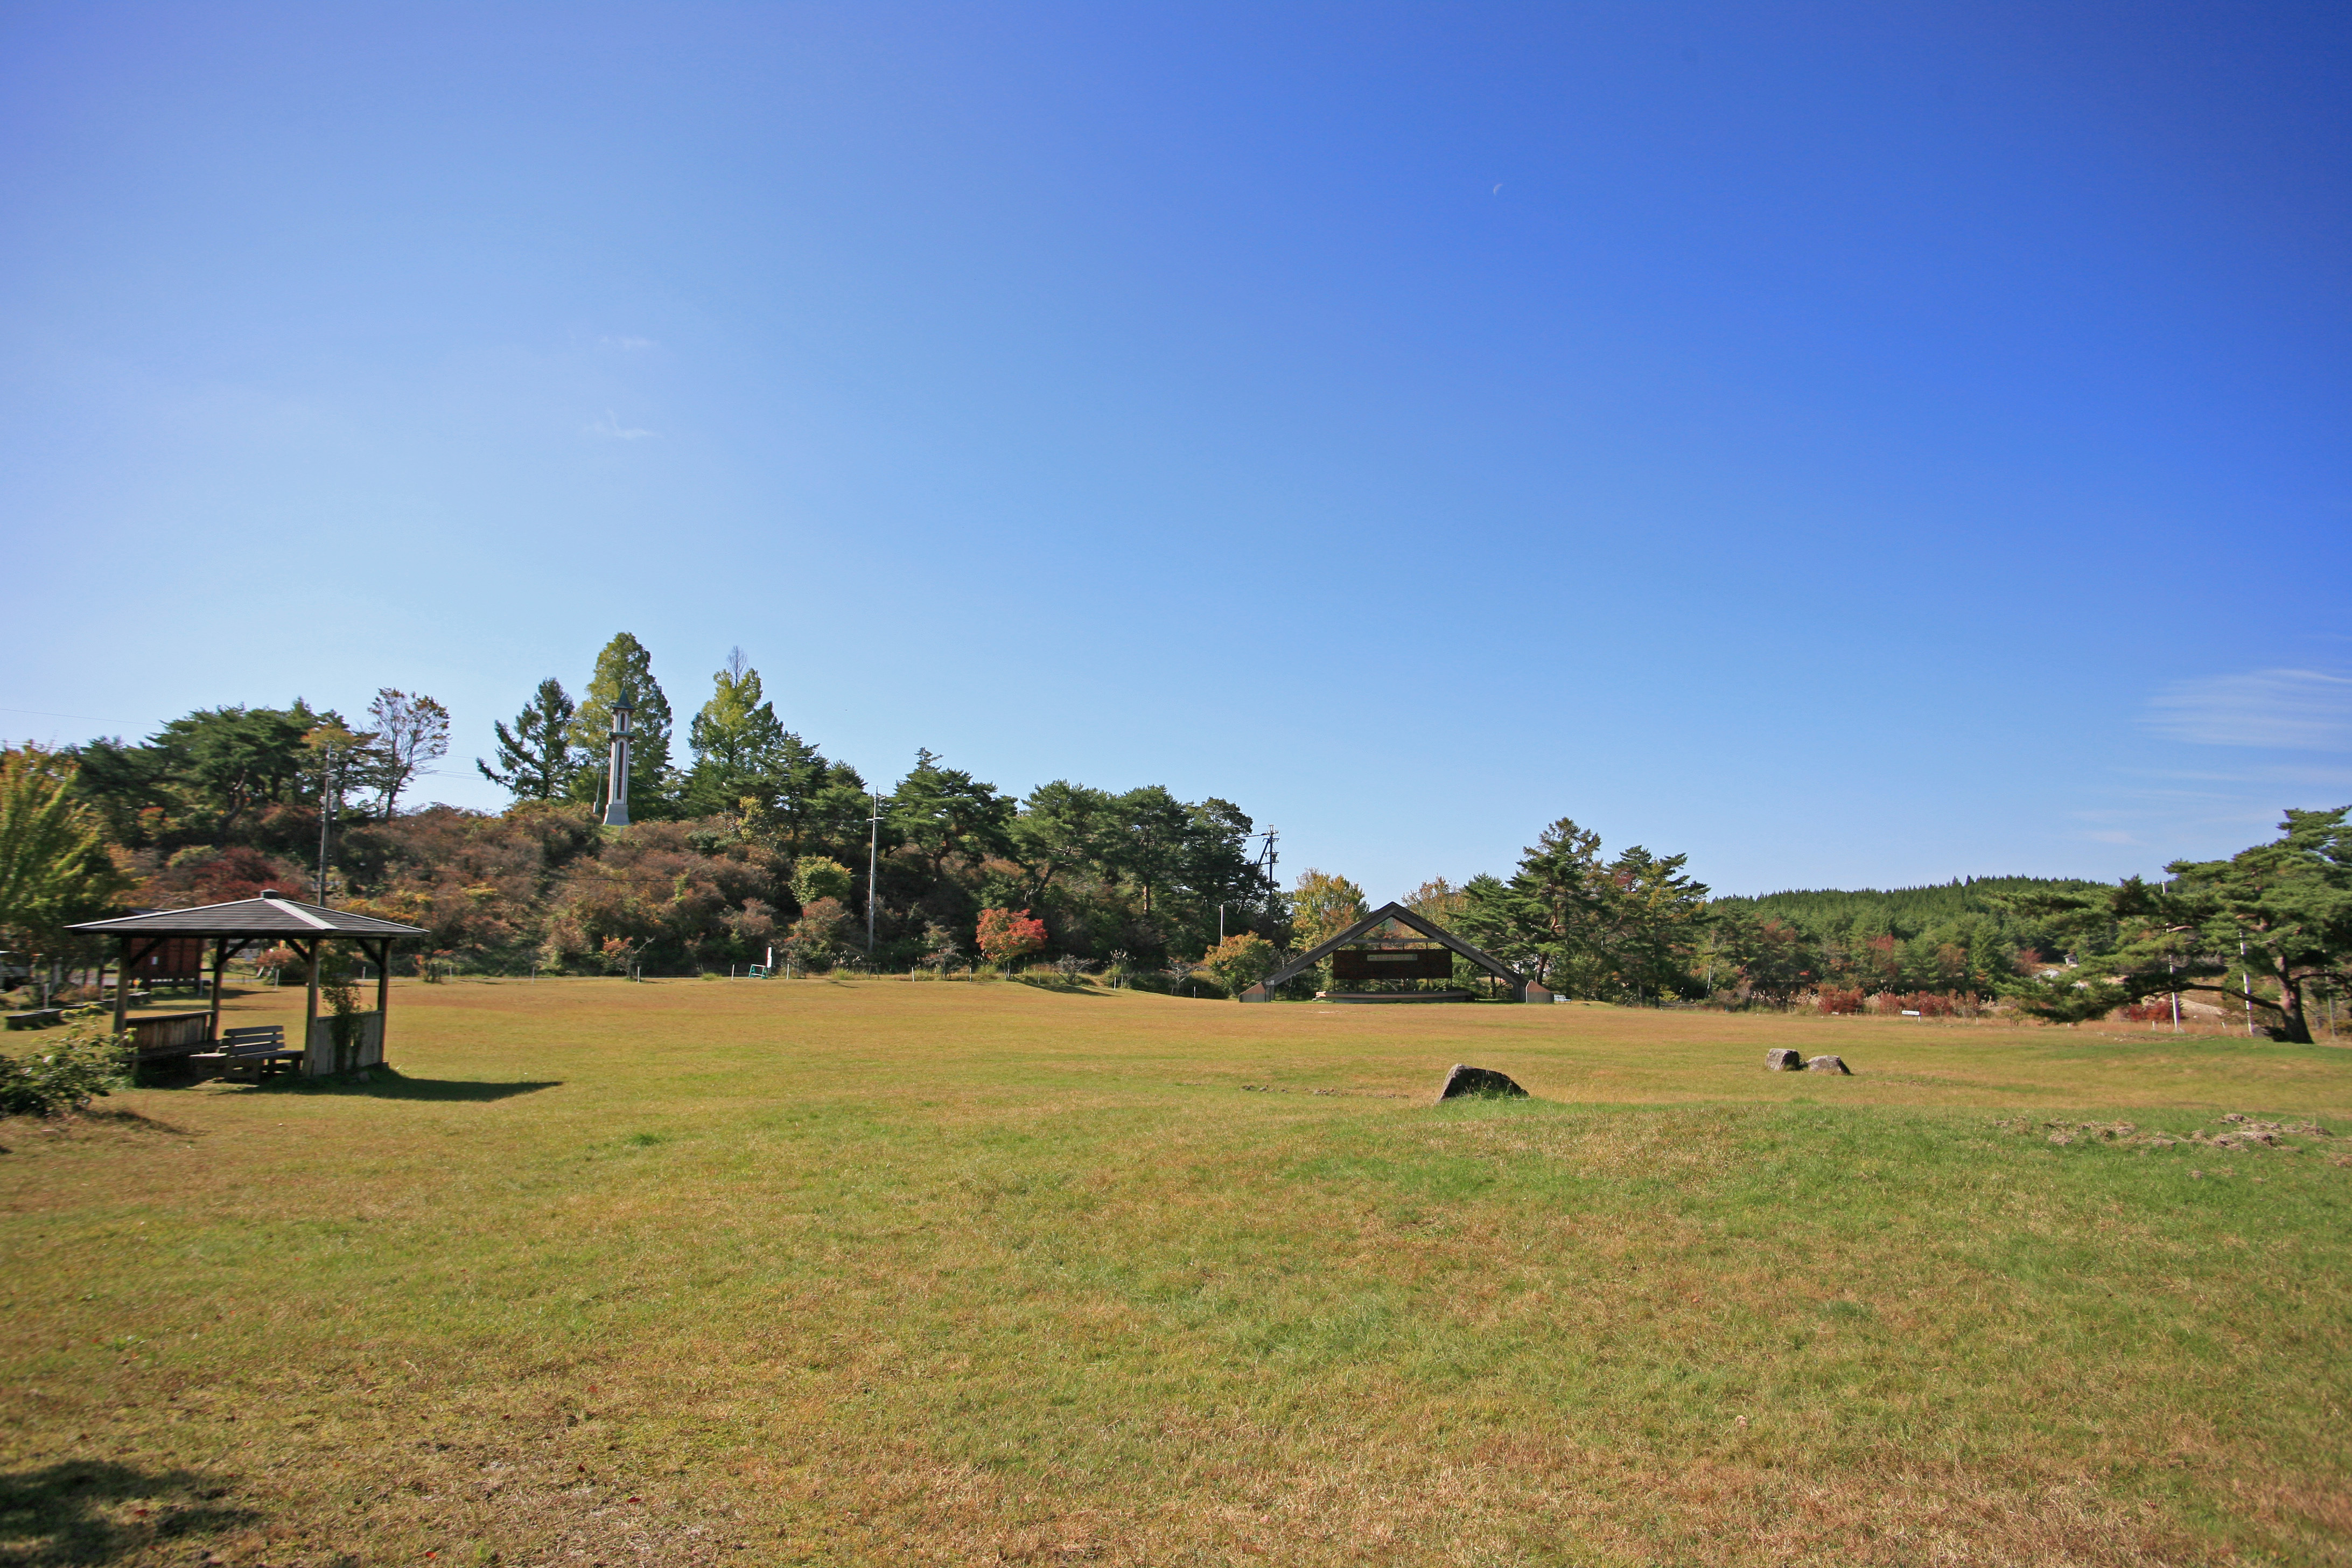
1380, 917
251, 917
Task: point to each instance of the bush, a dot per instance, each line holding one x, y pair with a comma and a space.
1240, 961
85, 1061
817, 876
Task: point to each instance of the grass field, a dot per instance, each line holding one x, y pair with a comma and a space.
879, 1272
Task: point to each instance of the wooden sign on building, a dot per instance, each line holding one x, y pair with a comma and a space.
1392, 963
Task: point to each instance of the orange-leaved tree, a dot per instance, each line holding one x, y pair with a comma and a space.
1006, 935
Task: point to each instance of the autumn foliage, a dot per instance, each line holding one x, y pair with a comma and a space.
1007, 936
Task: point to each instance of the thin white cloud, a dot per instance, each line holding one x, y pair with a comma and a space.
626, 345
2292, 710
610, 428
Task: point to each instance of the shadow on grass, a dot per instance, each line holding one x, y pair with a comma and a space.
91, 1512
88, 1120
1058, 986
386, 1083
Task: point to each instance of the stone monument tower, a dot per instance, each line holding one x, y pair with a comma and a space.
617, 794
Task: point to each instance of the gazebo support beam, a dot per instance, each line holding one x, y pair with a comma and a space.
132, 951
311, 1005
121, 987
383, 990
220, 973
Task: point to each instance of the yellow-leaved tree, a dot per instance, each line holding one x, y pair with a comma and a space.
1321, 907
54, 866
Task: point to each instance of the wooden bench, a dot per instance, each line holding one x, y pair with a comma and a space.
248, 1055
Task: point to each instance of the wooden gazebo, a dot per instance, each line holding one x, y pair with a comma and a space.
269, 920
1358, 953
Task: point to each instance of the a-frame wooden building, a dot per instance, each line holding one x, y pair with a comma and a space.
1380, 959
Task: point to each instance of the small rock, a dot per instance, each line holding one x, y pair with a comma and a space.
1466, 1081
1784, 1061
1829, 1064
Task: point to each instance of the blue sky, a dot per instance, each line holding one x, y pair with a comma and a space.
1852, 444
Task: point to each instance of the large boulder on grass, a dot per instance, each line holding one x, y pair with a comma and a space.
1469, 1081
1829, 1064
1784, 1061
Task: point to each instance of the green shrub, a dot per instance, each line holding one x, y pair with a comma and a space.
65, 1071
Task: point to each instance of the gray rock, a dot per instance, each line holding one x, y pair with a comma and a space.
1466, 1081
1784, 1061
1829, 1064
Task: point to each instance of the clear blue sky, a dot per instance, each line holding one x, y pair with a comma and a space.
1853, 444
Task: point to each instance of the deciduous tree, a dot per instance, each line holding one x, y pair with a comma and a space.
1007, 936
817, 876
1240, 961
54, 867
1322, 906
412, 733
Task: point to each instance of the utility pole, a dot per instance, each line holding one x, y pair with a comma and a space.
873, 860
326, 817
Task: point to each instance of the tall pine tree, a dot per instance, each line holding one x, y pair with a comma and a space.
739, 746
625, 669
535, 759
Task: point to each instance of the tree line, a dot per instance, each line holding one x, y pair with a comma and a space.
755, 845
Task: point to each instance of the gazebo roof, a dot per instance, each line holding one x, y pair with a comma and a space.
250, 917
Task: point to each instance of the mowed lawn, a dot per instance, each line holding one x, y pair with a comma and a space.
882, 1272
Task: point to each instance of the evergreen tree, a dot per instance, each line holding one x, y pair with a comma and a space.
1063, 831
535, 759
2268, 926
739, 746
624, 669
946, 812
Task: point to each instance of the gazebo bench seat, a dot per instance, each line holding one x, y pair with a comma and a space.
250, 1053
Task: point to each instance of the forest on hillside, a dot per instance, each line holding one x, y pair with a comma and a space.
755, 845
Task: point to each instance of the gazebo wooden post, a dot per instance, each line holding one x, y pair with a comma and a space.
122, 985
220, 973
310, 1009
382, 990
